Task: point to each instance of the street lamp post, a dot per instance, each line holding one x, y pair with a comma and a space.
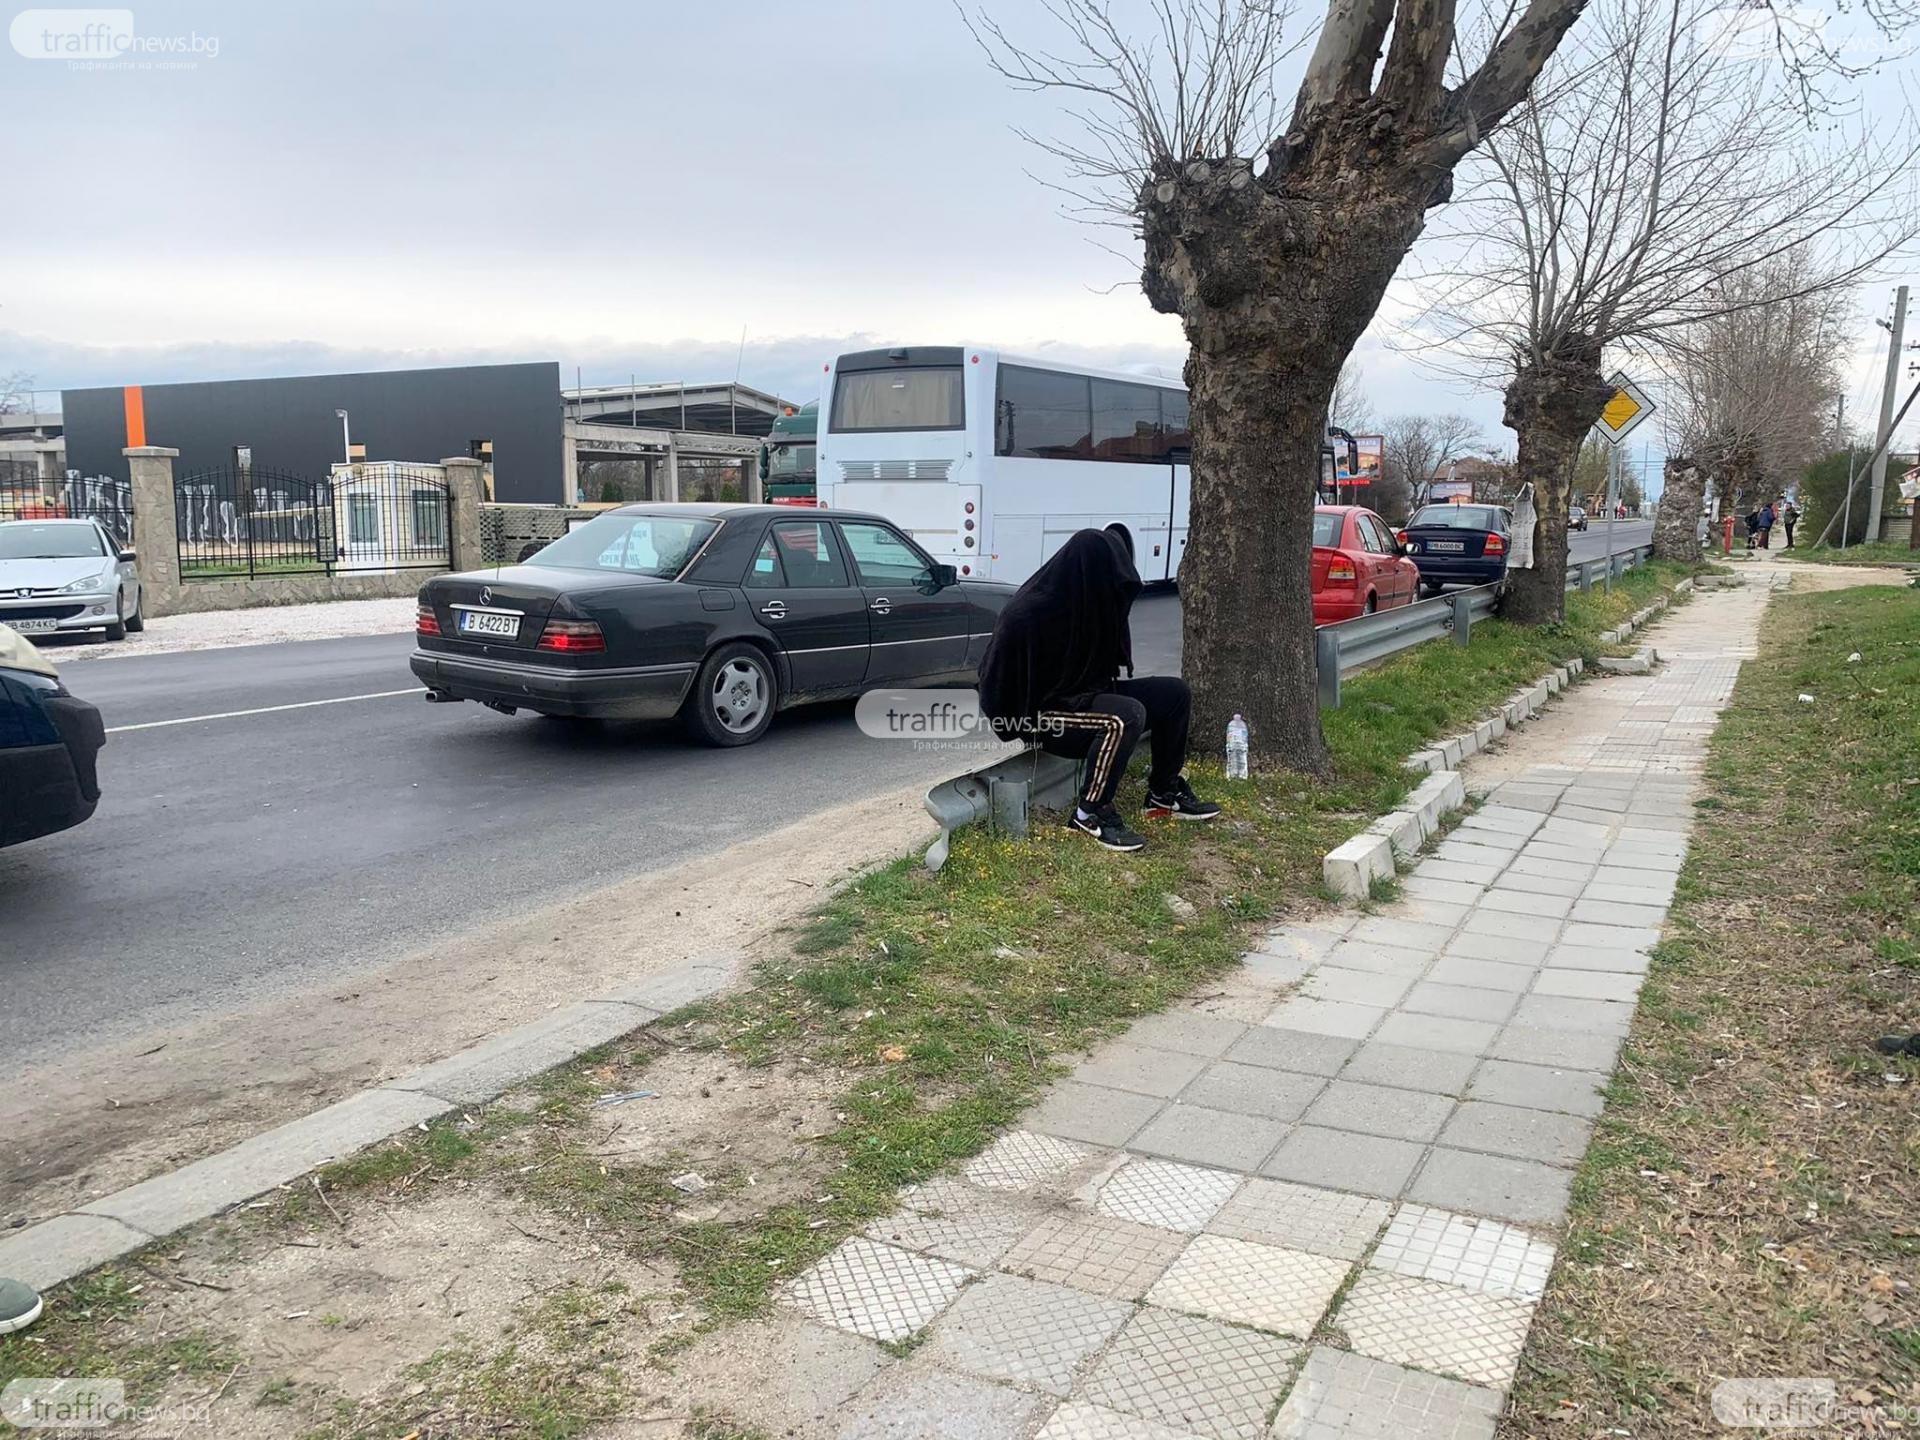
346, 438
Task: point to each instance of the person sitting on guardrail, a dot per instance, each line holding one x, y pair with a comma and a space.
1052, 674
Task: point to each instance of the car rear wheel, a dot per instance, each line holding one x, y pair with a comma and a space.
733, 697
1373, 604
118, 629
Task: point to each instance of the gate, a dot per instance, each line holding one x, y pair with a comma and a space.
252, 523
25, 495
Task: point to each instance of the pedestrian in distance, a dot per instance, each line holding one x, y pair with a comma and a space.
1766, 525
1789, 517
1052, 674
1753, 528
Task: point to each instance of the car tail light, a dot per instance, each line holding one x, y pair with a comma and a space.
1401, 536
1341, 570
1495, 545
426, 622
574, 637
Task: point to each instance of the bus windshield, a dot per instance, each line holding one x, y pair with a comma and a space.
912, 398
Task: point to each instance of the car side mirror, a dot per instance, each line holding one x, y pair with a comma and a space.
128, 555
945, 575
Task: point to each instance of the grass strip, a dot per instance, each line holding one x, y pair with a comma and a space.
1748, 1207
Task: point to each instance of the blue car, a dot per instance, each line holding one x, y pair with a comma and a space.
1458, 545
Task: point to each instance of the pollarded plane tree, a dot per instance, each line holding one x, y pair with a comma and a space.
1657, 177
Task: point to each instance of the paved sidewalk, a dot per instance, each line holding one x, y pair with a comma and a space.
1340, 1180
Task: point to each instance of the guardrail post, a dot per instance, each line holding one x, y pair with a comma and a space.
1326, 660
1586, 576
1462, 616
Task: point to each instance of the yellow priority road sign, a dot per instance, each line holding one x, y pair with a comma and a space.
1628, 407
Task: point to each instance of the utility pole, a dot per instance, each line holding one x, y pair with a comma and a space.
1878, 482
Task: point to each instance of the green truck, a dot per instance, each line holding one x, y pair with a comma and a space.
787, 468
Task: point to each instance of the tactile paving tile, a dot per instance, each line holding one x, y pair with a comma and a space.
1022, 1160
1342, 1396
1159, 1192
1431, 1326
1465, 1250
1025, 1331
875, 1290
1196, 1376
1249, 1284
1097, 1253
1302, 1217
1077, 1420
956, 1222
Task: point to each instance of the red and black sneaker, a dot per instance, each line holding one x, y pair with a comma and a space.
1179, 803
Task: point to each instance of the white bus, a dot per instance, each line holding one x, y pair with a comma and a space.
991, 462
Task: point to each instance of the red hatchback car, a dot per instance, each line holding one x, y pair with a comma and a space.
1358, 567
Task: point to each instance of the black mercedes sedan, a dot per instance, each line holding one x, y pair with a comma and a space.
720, 614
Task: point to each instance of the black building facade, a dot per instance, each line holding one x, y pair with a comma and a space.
289, 424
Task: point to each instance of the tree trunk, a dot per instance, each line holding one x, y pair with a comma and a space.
1247, 615
1274, 288
1551, 404
1676, 533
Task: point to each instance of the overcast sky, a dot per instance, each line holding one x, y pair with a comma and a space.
619, 187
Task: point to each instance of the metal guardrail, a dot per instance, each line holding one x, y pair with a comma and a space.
1004, 790
1350, 645
1001, 791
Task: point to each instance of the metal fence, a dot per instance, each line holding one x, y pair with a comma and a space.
253, 523
1340, 650
25, 494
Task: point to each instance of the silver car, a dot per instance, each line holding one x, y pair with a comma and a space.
58, 576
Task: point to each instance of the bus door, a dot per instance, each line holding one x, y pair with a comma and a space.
1179, 507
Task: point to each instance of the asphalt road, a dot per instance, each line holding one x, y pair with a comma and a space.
239, 855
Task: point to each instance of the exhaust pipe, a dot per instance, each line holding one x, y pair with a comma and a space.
501, 706
441, 697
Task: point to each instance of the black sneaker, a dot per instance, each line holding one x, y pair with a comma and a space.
1898, 1045
1106, 826
1180, 803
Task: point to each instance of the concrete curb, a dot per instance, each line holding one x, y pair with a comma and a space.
67, 1245
1351, 868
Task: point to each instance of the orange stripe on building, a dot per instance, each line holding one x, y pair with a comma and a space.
136, 404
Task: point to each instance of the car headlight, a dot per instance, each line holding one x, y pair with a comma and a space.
85, 585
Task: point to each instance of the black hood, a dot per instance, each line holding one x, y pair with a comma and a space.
1063, 638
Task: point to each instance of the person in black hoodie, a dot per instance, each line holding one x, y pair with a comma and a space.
1052, 674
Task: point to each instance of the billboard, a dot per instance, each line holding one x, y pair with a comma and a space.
1370, 449
291, 423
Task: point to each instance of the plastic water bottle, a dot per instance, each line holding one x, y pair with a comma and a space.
1236, 749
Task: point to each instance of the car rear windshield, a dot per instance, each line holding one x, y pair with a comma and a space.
657, 545
21, 541
1459, 517
921, 397
1326, 528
